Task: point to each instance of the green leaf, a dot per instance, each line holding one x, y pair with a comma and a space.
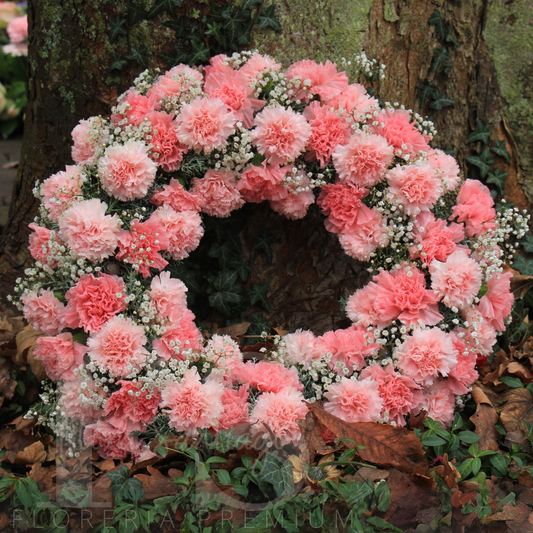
138, 54
465, 468
476, 466
124, 487
468, 436
267, 19
482, 291
514, 383
258, 293
482, 161
499, 462
528, 244
258, 324
263, 242
225, 280
7, 127
257, 159
316, 517
235, 23
182, 27
382, 524
117, 63
223, 477
500, 148
482, 133
441, 59
428, 439
200, 52
382, 492
160, 6
117, 27
278, 473
136, 13
523, 266
247, 4
497, 177
440, 101
215, 29
222, 301
426, 89
457, 422
440, 25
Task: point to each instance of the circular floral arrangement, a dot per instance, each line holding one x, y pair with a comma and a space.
118, 339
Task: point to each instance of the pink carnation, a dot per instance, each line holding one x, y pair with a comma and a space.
235, 409
17, 29
205, 124
464, 373
354, 101
364, 160
141, 244
497, 303
60, 355
399, 294
126, 171
167, 151
439, 402
40, 241
294, 206
61, 190
456, 281
86, 144
45, 312
175, 82
133, 108
415, 187
280, 412
438, 240
184, 230
223, 351
191, 404
480, 335
400, 394
362, 239
348, 347
475, 207
168, 296
112, 441
342, 204
259, 183
280, 134
267, 376
218, 190
177, 197
119, 346
77, 401
396, 127
301, 348
328, 131
88, 231
258, 63
326, 82
93, 301
218, 63
446, 167
354, 401
426, 354
182, 336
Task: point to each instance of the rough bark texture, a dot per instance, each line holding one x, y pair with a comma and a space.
309, 274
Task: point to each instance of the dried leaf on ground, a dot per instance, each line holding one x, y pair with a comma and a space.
7, 384
34, 453
156, 484
311, 438
26, 340
384, 445
485, 418
235, 330
447, 472
45, 478
518, 514
520, 285
518, 408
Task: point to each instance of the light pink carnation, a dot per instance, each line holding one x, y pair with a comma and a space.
76, 401
280, 412
497, 303
301, 348
326, 82
328, 131
45, 312
439, 402
456, 281
17, 29
119, 346
88, 231
426, 354
168, 296
60, 355
480, 335
167, 151
259, 183
256, 64
176, 81
205, 124
191, 404
438, 239
86, 146
141, 244
134, 107
184, 230
364, 160
400, 394
224, 351
235, 409
446, 167
464, 373
396, 127
218, 190
362, 239
112, 441
415, 187
177, 197
40, 241
342, 204
354, 401
294, 206
93, 301
218, 63
280, 135
61, 190
267, 376
354, 101
126, 171
475, 207
182, 336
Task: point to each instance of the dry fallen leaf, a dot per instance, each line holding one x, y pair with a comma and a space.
518, 408
235, 330
26, 340
156, 484
485, 418
35, 453
311, 438
520, 285
447, 472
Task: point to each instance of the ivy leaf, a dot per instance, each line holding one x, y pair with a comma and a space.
225, 280
528, 245
200, 52
214, 29
500, 149
482, 133
267, 19
263, 243
243, 270
117, 27
181, 27
235, 23
450, 38
138, 54
136, 13
426, 90
160, 6
247, 4
229, 440
278, 473
440, 25
441, 59
124, 486
223, 252
440, 101
222, 301
523, 266
118, 63
482, 161
498, 178
173, 58
258, 324
258, 293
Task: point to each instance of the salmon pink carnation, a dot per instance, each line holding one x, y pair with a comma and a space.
175, 82
294, 206
301, 348
118, 347
133, 107
415, 187
464, 373
475, 207
44, 311
112, 441
364, 160
218, 190
259, 183
235, 408
456, 281
40, 244
480, 335
328, 131
60, 355
354, 101
280, 412
88, 231
177, 197
75, 400
267, 376
61, 190
256, 64
439, 402
205, 124
426, 354
126, 171
446, 167
354, 401
181, 336
86, 148
93, 301
497, 303
168, 296
280, 135
191, 404
224, 351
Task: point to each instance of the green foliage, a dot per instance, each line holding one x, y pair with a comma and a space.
482, 133
482, 161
